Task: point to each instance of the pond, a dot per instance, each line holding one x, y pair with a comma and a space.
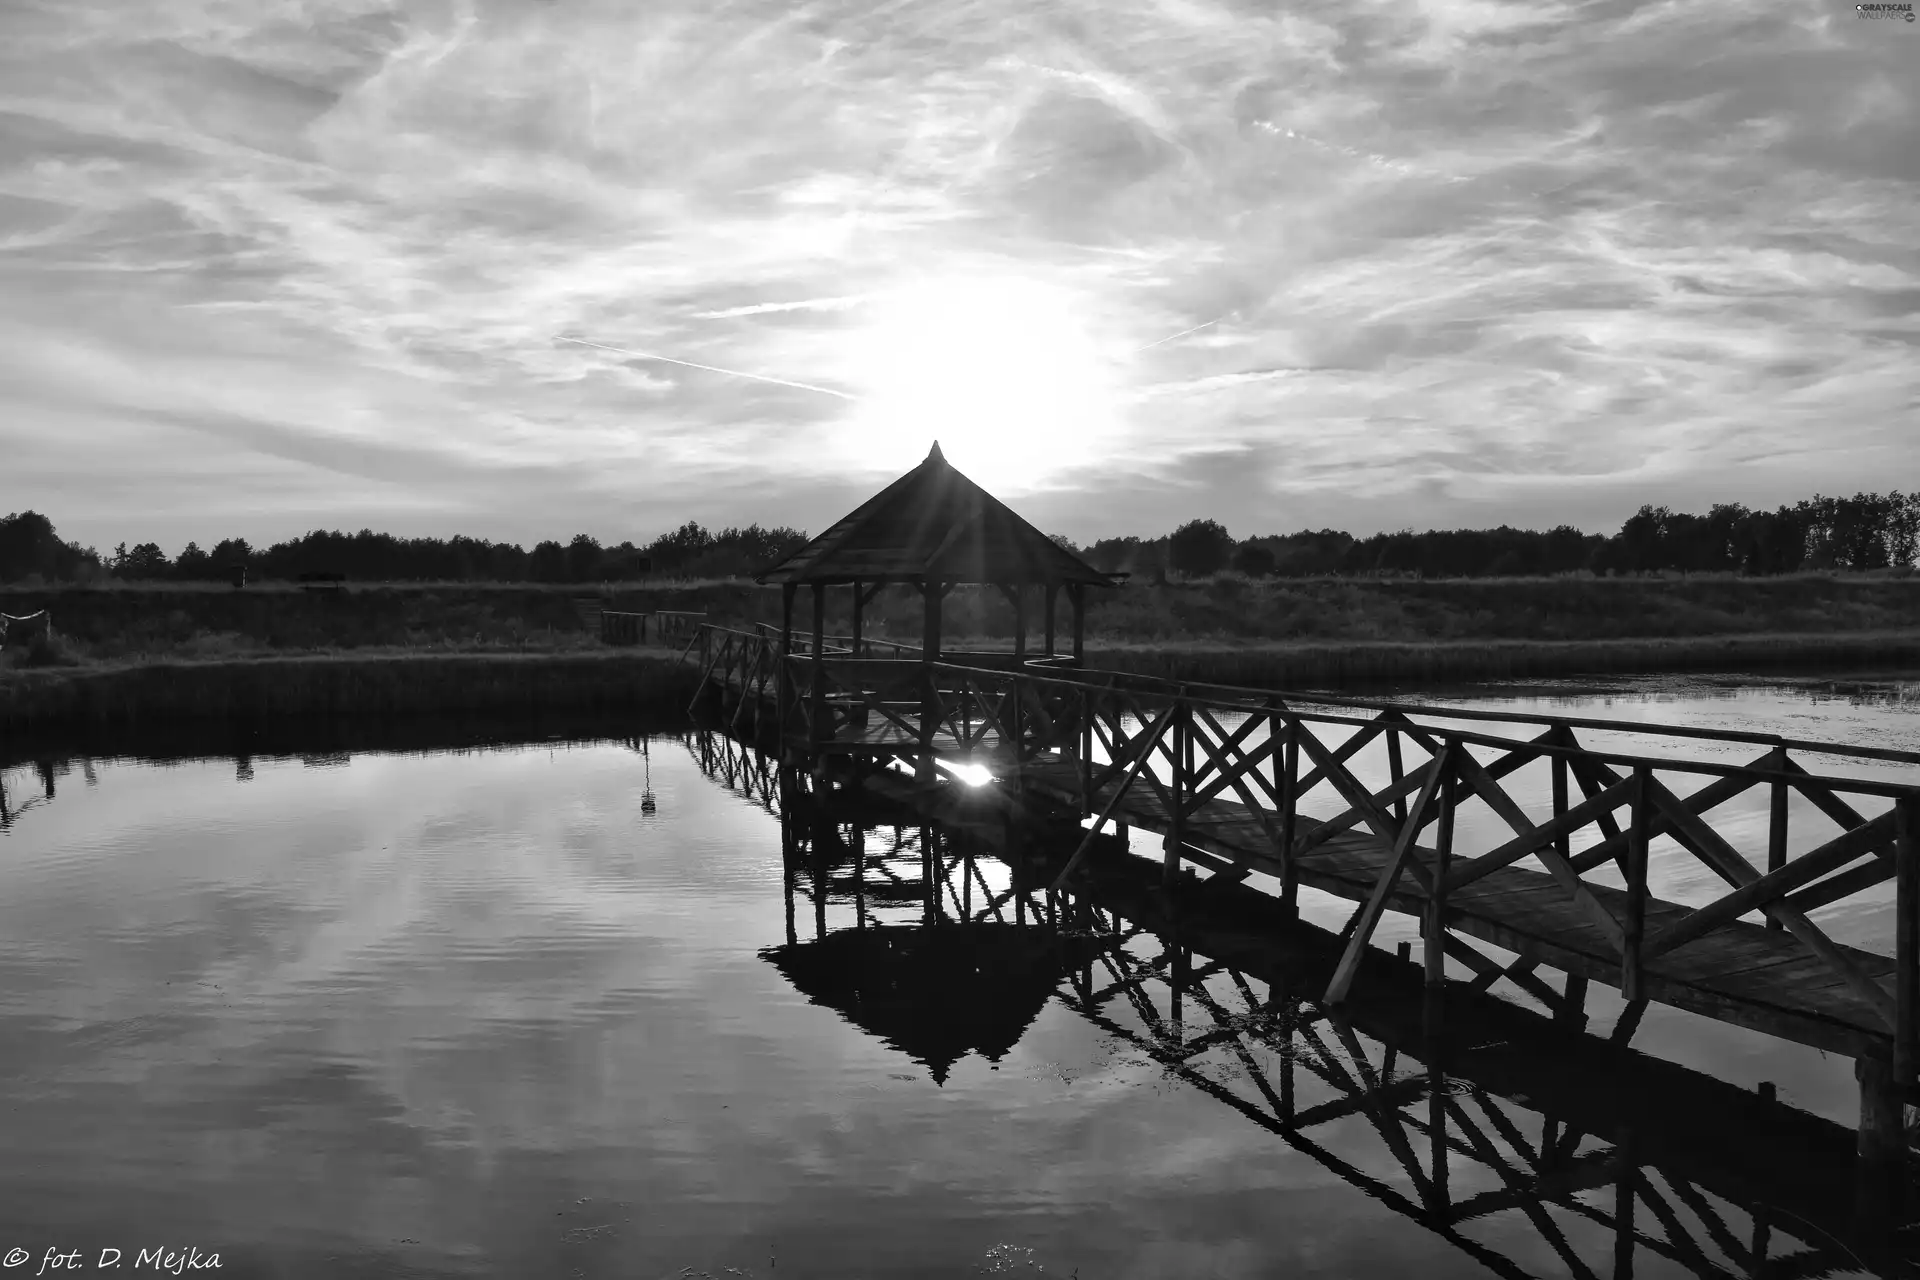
537, 1008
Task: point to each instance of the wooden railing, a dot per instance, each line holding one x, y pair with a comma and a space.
1464, 794
673, 626
1541, 1114
19, 629
1607, 808
622, 628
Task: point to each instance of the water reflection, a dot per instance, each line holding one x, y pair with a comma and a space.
581, 999
936, 995
1486, 1120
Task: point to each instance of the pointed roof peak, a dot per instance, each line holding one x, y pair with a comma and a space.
933, 522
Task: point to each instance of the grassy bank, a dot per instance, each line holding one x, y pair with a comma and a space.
128, 654
130, 621
1373, 666
132, 694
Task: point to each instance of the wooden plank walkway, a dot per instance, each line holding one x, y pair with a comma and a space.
1741, 973
1747, 974
1630, 1111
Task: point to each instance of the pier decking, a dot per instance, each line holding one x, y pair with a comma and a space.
1741, 973
1505, 1113
1241, 782
1530, 852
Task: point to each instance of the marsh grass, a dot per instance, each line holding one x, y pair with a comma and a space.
122, 619
40, 650
1361, 666
131, 650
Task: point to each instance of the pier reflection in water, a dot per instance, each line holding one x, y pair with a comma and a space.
337, 1005
941, 943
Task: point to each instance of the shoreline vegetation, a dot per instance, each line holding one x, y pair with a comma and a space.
1869, 531
132, 654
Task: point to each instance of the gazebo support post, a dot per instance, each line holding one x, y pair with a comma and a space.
930, 594
784, 677
1018, 594
1053, 593
859, 599
1077, 593
819, 662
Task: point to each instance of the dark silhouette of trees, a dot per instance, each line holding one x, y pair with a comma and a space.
145, 563
1866, 532
233, 553
194, 565
548, 562
1253, 559
29, 548
1199, 547
691, 552
583, 559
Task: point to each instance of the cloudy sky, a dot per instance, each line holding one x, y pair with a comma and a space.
523, 268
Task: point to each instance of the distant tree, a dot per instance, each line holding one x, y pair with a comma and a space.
1199, 547
1308, 553
1568, 550
145, 563
1253, 559
230, 553
1063, 542
29, 547
583, 559
548, 562
1112, 555
194, 565
673, 552
1903, 528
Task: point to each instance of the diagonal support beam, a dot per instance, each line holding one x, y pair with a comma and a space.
1756, 894
1726, 862
1488, 789
1073, 864
1438, 772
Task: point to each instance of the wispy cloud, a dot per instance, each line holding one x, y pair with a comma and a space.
1453, 261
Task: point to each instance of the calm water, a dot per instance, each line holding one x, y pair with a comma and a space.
512, 1012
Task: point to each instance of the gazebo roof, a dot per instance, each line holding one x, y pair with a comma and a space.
934, 523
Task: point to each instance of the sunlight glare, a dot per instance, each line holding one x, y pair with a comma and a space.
974, 775
1002, 370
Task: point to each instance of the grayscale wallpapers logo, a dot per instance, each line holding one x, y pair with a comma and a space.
1896, 12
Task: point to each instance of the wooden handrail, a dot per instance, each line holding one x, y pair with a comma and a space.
1196, 693
1060, 718
1133, 771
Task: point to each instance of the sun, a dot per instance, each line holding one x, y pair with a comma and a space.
1003, 370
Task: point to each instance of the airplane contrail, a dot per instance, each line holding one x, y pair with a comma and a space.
1184, 332
767, 308
711, 368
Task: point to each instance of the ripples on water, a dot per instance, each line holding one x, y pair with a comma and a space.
487, 1013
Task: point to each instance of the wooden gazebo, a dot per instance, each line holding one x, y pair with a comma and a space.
934, 529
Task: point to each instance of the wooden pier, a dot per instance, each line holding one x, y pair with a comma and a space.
1242, 783
1702, 870
1603, 1153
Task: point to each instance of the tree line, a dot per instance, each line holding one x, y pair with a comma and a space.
1865, 532
30, 548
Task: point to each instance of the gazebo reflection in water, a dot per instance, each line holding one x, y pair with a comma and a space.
940, 960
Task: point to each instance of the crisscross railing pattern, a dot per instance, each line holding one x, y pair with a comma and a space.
1245, 1033
1530, 833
